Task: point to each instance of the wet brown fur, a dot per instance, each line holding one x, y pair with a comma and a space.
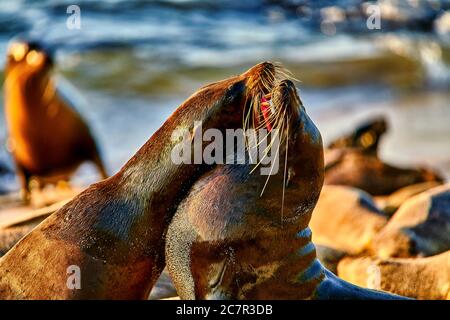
115, 230
229, 232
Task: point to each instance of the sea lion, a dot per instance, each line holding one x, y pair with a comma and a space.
230, 240
420, 227
365, 137
346, 219
390, 204
47, 137
114, 231
419, 278
355, 168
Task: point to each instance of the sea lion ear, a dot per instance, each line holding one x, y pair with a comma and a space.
17, 51
235, 90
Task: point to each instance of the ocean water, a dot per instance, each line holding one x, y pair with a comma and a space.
133, 62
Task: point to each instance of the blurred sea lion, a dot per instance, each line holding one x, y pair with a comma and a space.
355, 168
353, 160
365, 137
419, 278
47, 137
114, 231
346, 219
420, 227
389, 204
243, 235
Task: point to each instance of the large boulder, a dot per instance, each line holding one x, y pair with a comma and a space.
346, 219
420, 227
419, 278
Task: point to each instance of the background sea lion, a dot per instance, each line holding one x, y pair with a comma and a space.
47, 137
365, 137
346, 219
114, 231
420, 278
420, 227
228, 240
355, 168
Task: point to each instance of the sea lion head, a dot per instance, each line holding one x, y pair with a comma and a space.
301, 151
261, 80
243, 226
366, 137
28, 58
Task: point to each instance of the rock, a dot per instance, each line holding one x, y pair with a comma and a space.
346, 219
421, 226
421, 278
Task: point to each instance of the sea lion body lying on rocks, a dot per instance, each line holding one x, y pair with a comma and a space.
355, 168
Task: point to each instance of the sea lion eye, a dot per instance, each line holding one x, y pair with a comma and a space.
34, 58
18, 51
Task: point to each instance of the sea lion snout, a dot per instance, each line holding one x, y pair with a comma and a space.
285, 96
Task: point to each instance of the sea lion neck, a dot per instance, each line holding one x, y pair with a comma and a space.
29, 91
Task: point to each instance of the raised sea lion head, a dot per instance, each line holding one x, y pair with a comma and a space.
366, 137
241, 234
301, 152
28, 58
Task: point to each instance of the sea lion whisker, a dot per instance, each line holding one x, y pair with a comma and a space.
270, 173
270, 145
285, 170
265, 152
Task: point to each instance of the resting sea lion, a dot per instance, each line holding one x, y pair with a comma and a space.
355, 168
114, 231
47, 137
420, 227
227, 241
420, 278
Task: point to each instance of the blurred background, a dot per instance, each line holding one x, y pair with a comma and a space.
133, 62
